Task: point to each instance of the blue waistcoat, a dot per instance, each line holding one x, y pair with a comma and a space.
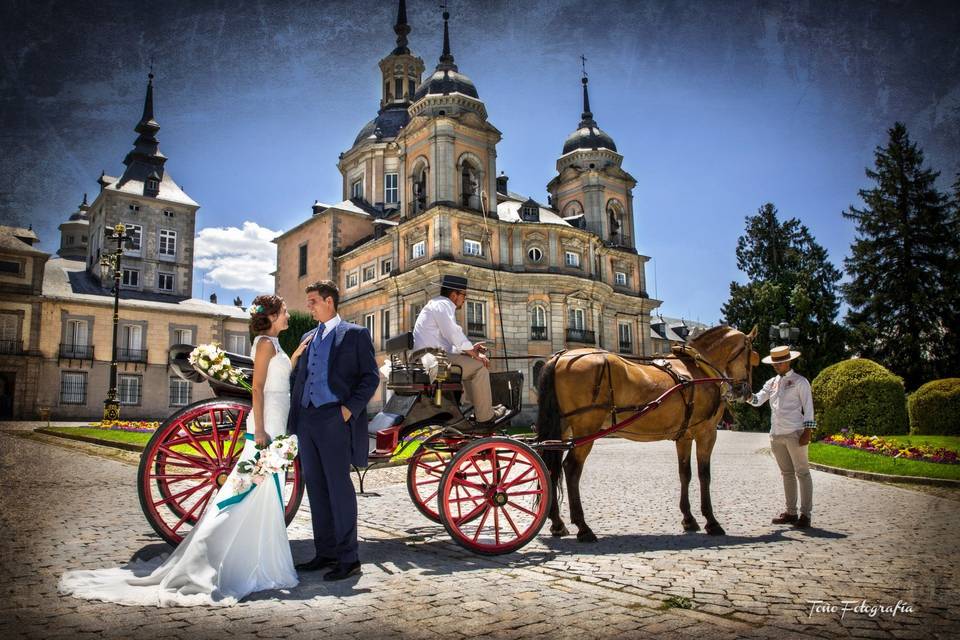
317, 389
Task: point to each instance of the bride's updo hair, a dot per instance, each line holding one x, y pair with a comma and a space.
261, 309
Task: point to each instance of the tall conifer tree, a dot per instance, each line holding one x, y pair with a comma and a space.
904, 272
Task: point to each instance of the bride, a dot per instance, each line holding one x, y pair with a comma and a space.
234, 549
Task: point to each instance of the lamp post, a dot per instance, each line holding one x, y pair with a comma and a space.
785, 333
111, 260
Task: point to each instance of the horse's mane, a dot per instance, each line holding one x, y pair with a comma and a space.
711, 334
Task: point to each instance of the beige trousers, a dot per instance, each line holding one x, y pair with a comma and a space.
476, 385
794, 467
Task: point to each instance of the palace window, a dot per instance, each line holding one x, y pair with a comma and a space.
472, 248
538, 323
135, 208
625, 331
353, 279
535, 254
476, 324
165, 281
356, 190
10, 266
182, 336
238, 343
415, 310
572, 259
391, 189
135, 232
302, 265
9, 333
130, 278
385, 325
620, 278
419, 249
180, 392
370, 322
129, 389
168, 244
386, 266
577, 319
369, 273
73, 387
130, 348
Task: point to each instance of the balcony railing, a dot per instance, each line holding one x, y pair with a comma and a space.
538, 333
76, 352
478, 329
626, 347
11, 347
619, 240
125, 354
581, 335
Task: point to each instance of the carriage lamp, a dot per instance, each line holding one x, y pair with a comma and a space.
784, 332
111, 261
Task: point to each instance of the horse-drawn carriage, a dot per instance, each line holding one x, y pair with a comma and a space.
492, 492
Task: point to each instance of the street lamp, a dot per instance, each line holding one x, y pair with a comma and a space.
111, 260
785, 333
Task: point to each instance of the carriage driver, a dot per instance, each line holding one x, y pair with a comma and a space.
791, 425
437, 327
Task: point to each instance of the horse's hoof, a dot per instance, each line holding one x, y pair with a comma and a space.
690, 525
714, 529
586, 536
559, 533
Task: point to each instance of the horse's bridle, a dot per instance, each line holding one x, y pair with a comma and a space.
745, 386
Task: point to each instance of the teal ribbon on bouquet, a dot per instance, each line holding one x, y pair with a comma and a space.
223, 504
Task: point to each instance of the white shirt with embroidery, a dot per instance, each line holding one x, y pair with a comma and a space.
437, 326
791, 403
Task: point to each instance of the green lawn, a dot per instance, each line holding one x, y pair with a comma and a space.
844, 458
128, 437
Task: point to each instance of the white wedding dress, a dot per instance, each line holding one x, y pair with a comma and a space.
230, 553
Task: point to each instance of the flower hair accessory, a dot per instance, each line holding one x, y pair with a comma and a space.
256, 308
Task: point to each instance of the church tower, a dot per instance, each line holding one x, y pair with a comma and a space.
450, 147
159, 217
591, 190
371, 169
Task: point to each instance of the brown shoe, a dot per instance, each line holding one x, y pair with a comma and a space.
786, 518
803, 522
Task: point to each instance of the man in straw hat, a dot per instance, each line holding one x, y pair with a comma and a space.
437, 327
791, 425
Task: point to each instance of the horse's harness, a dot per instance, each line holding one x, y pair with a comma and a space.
687, 390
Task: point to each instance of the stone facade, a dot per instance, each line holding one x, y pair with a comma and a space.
422, 199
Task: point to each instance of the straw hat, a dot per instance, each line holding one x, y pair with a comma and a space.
780, 354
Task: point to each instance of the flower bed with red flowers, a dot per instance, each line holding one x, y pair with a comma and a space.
139, 426
881, 446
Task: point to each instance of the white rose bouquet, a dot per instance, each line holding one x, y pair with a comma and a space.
213, 361
276, 457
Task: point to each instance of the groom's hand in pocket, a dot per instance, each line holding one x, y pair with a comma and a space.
345, 413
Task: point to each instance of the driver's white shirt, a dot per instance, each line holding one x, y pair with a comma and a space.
437, 326
791, 403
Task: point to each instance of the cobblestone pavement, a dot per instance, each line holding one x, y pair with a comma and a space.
62, 506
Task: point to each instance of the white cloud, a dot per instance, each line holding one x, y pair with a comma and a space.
237, 258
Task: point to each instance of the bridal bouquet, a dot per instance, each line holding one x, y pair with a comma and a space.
276, 457
213, 361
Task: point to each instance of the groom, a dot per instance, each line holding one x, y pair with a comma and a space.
330, 387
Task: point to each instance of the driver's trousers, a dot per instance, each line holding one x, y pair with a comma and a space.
476, 384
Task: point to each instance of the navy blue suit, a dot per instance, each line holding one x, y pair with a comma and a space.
328, 445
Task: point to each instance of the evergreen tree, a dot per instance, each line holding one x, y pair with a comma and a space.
904, 280
790, 279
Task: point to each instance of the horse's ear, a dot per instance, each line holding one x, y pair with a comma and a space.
753, 332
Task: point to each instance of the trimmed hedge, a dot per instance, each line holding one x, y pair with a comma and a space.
862, 396
935, 408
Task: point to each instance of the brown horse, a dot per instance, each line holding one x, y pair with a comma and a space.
580, 388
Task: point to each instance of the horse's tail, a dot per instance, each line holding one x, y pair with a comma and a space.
548, 424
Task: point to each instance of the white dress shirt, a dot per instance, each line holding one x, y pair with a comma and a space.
791, 403
437, 326
329, 326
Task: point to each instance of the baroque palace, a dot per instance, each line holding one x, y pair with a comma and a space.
421, 198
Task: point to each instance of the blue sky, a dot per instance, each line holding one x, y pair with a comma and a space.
716, 108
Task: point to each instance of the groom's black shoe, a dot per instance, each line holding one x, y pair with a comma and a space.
342, 571
317, 563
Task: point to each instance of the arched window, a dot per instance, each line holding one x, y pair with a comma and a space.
535, 254
615, 216
419, 187
538, 323
471, 177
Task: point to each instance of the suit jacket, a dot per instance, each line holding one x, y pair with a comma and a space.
353, 377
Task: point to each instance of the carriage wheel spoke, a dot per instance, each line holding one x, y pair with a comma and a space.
193, 461
506, 471
482, 475
524, 509
193, 442
200, 503
216, 434
480, 526
519, 479
510, 520
496, 525
237, 428
538, 492
184, 493
178, 477
466, 483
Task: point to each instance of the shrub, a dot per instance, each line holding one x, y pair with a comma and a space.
862, 396
935, 408
300, 323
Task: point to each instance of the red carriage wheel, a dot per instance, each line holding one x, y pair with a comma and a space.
189, 458
425, 468
494, 496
